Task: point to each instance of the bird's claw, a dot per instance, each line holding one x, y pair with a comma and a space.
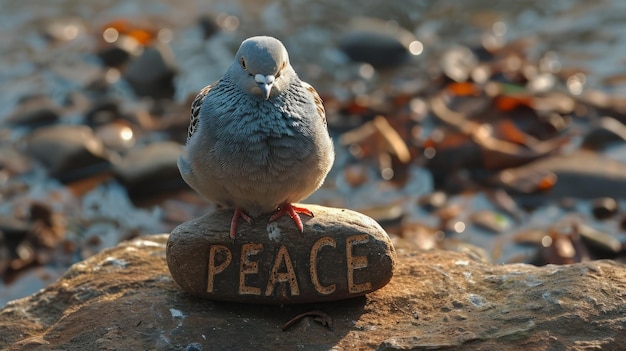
293, 212
239, 213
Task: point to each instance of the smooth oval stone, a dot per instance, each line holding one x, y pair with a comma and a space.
375, 42
604, 207
152, 73
35, 118
69, 152
150, 170
34, 111
341, 254
378, 49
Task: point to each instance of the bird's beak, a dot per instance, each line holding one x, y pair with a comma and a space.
265, 84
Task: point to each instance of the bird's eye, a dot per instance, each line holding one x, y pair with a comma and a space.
243, 63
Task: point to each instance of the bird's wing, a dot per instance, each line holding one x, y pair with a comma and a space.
318, 102
195, 109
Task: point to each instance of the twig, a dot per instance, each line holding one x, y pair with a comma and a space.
320, 317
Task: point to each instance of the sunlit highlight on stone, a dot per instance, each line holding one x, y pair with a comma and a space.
110, 35
416, 47
459, 227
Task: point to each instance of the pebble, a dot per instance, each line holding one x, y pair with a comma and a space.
114, 55
600, 240
433, 201
208, 26
33, 111
341, 254
152, 73
604, 207
580, 174
69, 152
151, 169
377, 43
622, 223
377, 49
103, 112
607, 131
35, 118
13, 229
118, 135
490, 221
5, 256
458, 62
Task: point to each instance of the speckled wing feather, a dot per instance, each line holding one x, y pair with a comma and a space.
195, 109
318, 102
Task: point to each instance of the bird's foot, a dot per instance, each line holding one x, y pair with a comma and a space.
293, 212
239, 213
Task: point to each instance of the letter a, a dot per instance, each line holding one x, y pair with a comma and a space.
289, 276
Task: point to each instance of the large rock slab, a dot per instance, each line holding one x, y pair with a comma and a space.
340, 254
124, 299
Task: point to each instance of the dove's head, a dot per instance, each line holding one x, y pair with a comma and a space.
261, 66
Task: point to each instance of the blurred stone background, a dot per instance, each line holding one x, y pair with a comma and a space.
494, 128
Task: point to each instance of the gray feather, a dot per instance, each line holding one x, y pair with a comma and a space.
256, 154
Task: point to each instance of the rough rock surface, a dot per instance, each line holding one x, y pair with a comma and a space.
340, 254
124, 299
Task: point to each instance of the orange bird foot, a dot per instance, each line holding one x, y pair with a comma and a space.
293, 212
233, 223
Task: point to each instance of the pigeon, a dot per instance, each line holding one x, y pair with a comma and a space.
258, 139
